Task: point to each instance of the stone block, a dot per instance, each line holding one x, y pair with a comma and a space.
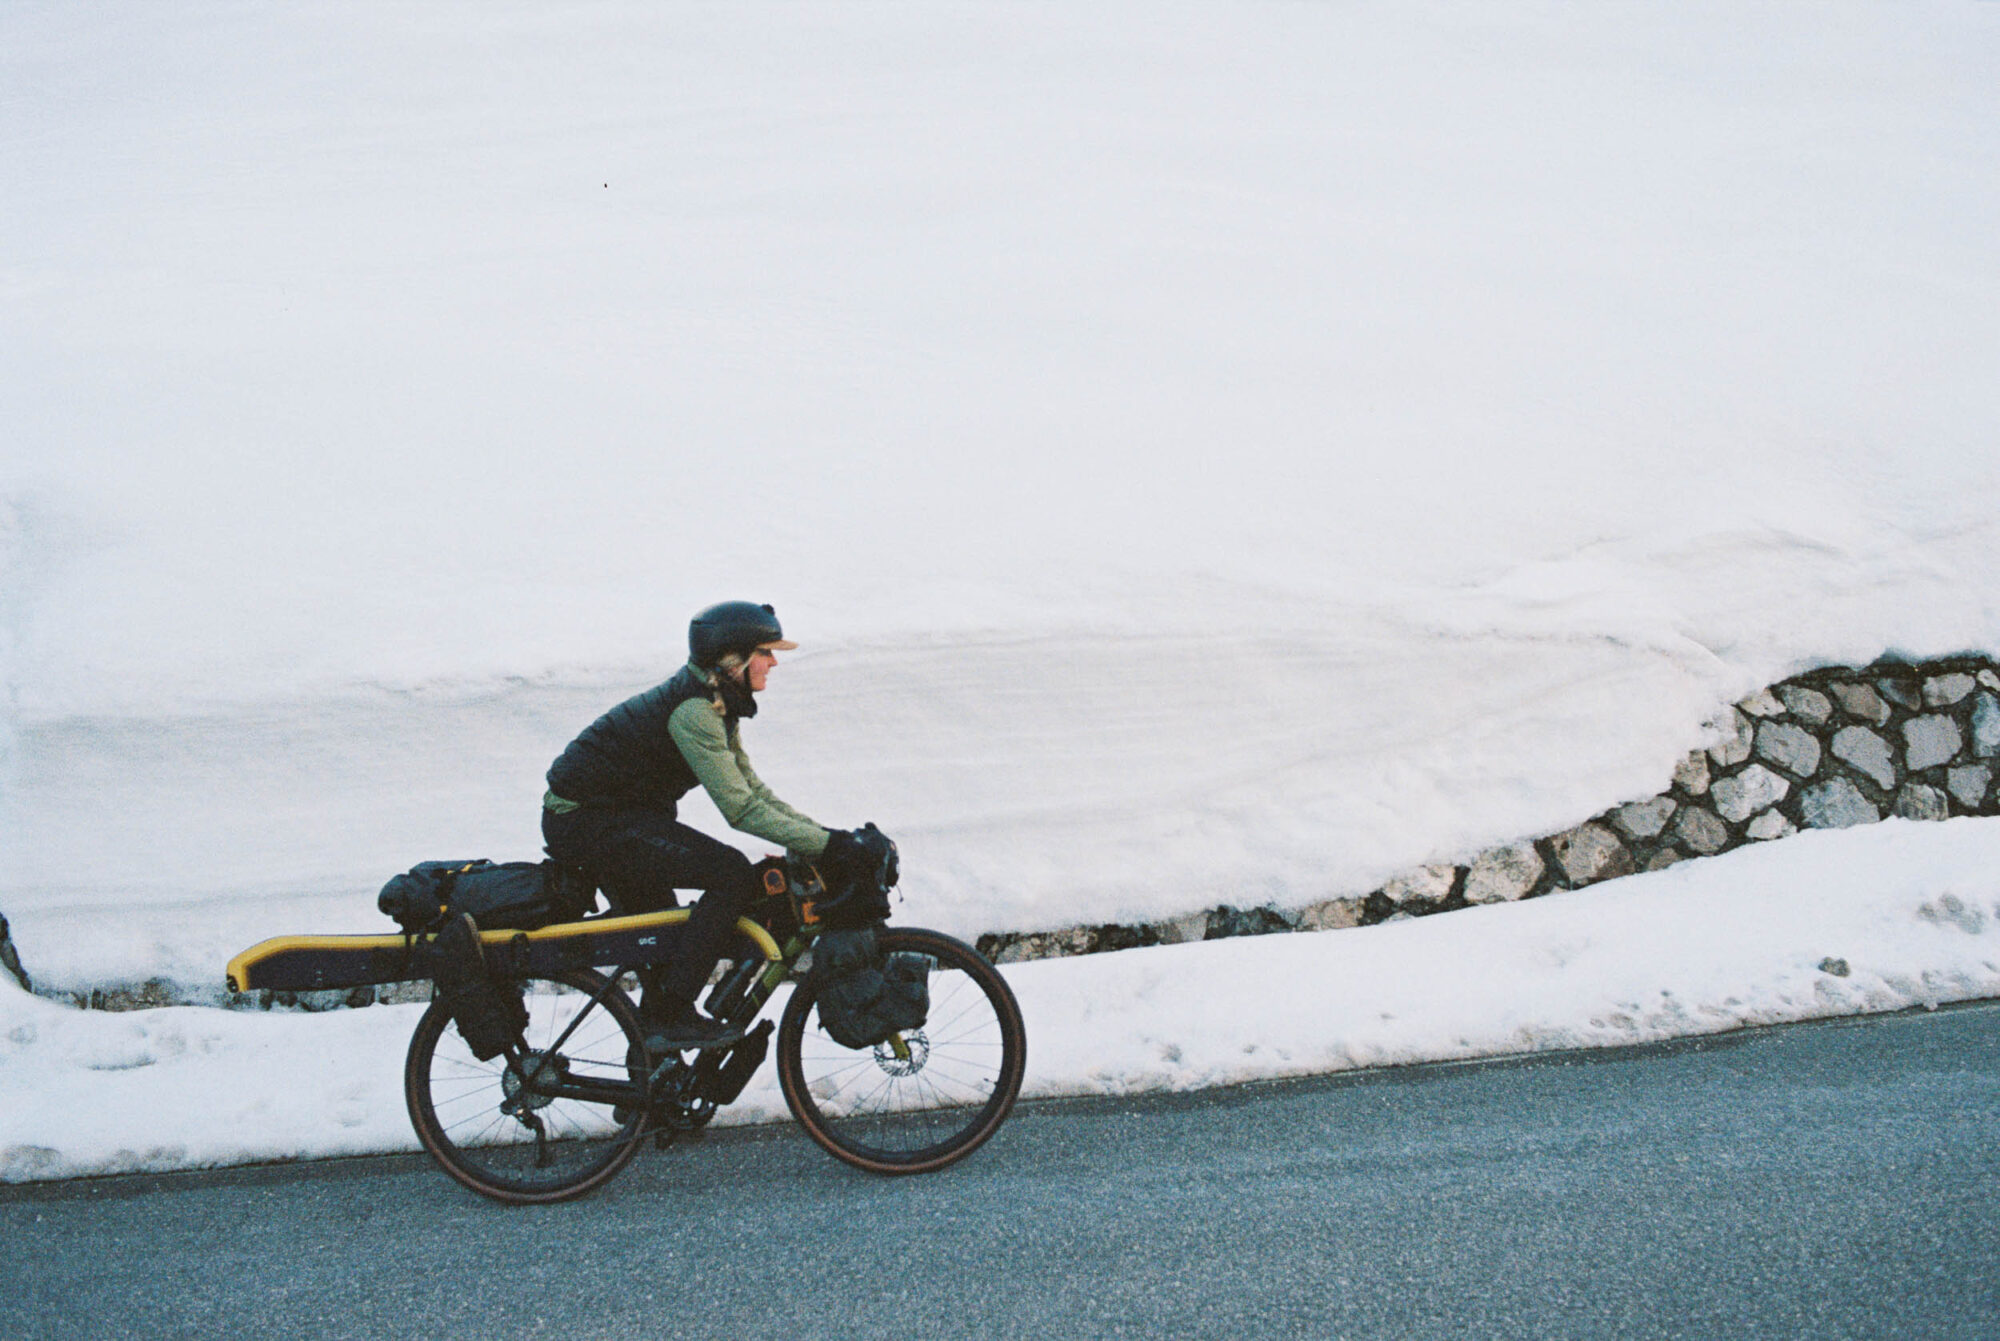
1968, 784
1902, 693
1503, 874
1741, 795
1941, 691
1425, 885
1184, 929
1591, 852
156, 992
1792, 748
1990, 679
1836, 804
1226, 921
1692, 774
1763, 703
1808, 705
1986, 726
1643, 819
1329, 915
1918, 802
407, 993
1930, 741
1024, 949
1074, 940
10, 959
1769, 825
1739, 735
1700, 831
1861, 700
1664, 858
1859, 746
1118, 936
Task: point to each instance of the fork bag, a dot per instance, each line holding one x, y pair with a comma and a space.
864, 996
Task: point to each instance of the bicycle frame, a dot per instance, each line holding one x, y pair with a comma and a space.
738, 998
763, 979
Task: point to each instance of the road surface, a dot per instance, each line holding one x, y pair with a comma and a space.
1839, 1179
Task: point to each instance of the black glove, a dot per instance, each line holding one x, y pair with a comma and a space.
857, 854
843, 858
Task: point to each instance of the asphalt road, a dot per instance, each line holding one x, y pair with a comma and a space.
1828, 1180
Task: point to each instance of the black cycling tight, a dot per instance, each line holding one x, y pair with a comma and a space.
639, 858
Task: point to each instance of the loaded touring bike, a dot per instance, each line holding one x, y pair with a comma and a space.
566, 1103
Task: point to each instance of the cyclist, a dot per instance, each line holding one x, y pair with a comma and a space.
610, 810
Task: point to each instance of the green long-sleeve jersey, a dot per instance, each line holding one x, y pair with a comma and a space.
713, 748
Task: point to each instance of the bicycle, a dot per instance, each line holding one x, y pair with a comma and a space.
567, 1105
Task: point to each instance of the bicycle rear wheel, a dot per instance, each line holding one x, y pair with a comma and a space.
491, 1125
888, 1113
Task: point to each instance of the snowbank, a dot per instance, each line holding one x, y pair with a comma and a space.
1911, 911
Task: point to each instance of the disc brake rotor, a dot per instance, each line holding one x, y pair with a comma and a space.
919, 1051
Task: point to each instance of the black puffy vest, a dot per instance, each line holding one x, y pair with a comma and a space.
628, 757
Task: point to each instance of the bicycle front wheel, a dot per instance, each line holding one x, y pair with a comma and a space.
932, 1102
502, 1127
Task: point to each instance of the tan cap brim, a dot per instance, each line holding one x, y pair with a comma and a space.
781, 645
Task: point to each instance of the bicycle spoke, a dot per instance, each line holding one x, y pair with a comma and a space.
938, 1096
552, 1145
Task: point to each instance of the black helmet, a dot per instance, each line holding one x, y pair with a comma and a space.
733, 626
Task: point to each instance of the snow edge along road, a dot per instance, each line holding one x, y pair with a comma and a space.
1910, 911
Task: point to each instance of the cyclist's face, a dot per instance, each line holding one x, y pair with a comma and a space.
758, 669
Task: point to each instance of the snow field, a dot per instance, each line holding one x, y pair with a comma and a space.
391, 347
1230, 454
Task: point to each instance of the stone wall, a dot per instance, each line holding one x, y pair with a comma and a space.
1825, 750
1831, 748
